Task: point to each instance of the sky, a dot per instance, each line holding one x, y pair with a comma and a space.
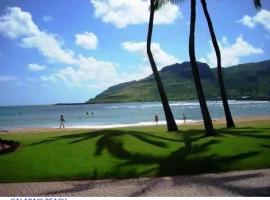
70, 51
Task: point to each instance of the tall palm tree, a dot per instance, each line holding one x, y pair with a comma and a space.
171, 125
229, 119
205, 113
228, 115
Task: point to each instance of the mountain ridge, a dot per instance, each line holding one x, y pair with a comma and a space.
243, 80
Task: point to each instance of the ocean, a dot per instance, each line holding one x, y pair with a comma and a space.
119, 114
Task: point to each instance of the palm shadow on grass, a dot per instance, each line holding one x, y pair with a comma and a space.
246, 132
178, 162
189, 158
265, 146
76, 138
185, 160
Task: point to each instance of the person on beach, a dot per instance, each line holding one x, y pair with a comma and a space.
62, 121
156, 118
184, 118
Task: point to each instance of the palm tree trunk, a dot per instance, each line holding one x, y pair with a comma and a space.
205, 113
171, 125
229, 119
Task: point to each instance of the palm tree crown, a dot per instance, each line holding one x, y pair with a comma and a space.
159, 3
257, 3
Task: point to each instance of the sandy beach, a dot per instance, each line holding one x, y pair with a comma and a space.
179, 122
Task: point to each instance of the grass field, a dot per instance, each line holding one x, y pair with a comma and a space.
133, 152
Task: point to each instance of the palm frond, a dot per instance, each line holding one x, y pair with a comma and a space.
160, 3
257, 3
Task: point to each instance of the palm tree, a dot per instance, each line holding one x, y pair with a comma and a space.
228, 115
229, 119
206, 116
205, 113
257, 3
171, 125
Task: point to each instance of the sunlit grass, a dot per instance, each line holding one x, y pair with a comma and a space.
133, 152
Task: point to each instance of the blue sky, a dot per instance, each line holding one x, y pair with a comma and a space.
69, 51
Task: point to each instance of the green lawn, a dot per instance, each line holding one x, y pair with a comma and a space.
133, 152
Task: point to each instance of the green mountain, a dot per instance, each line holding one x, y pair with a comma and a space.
246, 80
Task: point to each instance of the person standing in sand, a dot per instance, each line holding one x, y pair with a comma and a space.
184, 118
62, 121
156, 118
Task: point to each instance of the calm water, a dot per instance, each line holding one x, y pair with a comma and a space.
118, 114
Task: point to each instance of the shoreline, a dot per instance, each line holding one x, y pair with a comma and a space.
92, 127
140, 124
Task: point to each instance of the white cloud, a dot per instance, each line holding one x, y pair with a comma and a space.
92, 73
87, 40
122, 13
47, 18
231, 53
91, 69
89, 73
50, 47
81, 71
49, 78
17, 23
224, 40
162, 58
86, 71
247, 21
5, 78
262, 18
36, 67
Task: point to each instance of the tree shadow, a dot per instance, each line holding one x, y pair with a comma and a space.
186, 159
77, 137
190, 158
246, 132
109, 135
226, 182
265, 146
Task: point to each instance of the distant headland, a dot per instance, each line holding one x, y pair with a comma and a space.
250, 81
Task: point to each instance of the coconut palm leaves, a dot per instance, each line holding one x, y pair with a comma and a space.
159, 3
257, 4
